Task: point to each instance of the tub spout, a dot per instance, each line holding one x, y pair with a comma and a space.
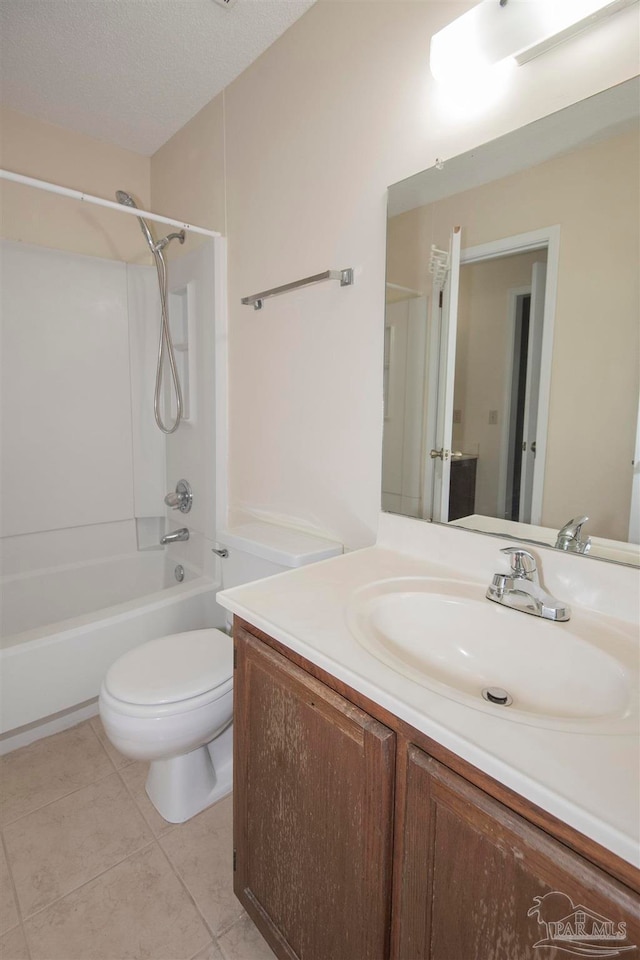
182, 534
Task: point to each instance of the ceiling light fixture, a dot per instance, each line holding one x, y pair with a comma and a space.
498, 30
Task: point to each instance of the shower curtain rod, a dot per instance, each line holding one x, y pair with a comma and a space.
111, 204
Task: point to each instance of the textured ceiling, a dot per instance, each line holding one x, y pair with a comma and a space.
131, 72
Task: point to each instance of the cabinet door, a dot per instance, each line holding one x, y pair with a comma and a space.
478, 882
313, 786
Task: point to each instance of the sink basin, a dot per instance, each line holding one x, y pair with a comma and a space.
446, 636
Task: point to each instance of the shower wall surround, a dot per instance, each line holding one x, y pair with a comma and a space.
67, 461
78, 446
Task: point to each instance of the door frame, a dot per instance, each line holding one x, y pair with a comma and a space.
514, 294
634, 516
544, 238
440, 385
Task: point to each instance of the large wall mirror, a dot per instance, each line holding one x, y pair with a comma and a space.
512, 335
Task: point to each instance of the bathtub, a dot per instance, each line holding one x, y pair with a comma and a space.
62, 628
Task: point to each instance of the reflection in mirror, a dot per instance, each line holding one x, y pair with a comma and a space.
511, 334
496, 357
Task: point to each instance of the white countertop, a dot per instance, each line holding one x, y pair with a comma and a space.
590, 781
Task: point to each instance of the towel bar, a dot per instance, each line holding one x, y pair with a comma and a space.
344, 276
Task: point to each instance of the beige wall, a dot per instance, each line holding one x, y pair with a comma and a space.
187, 173
314, 132
51, 153
594, 194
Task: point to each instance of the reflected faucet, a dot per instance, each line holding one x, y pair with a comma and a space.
177, 535
569, 537
521, 588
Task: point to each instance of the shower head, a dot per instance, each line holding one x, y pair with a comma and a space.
127, 200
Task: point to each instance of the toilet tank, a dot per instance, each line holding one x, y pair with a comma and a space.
260, 549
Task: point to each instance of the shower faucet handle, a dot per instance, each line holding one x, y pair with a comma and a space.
182, 499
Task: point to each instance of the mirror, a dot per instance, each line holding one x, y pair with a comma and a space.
511, 350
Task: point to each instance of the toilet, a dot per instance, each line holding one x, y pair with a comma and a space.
170, 701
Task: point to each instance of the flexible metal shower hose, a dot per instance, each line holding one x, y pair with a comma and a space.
165, 345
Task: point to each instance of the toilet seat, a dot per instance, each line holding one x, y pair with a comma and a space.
169, 702
172, 674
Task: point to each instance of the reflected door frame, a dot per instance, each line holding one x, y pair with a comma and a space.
445, 331
510, 454
634, 516
544, 238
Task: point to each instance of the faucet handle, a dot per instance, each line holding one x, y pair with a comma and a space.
182, 498
523, 564
574, 526
570, 537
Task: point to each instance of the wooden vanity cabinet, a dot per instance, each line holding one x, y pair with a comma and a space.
313, 811
470, 871
329, 788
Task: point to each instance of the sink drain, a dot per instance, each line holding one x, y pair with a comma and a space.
497, 695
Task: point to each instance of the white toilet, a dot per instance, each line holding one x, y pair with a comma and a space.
170, 701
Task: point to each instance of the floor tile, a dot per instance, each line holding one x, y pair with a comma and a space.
13, 945
201, 850
212, 952
49, 769
116, 757
8, 910
244, 942
70, 841
135, 777
137, 909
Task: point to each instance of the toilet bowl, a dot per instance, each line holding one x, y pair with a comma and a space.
170, 701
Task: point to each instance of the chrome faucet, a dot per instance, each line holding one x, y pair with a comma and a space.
521, 588
569, 537
182, 499
177, 535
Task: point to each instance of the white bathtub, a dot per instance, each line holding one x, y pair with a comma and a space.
62, 628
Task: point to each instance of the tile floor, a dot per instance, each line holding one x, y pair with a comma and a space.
90, 871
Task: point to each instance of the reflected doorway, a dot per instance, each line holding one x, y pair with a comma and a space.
518, 395
497, 379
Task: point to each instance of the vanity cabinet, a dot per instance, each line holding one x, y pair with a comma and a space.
313, 811
357, 836
476, 880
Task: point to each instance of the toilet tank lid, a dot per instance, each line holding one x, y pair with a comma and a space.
286, 546
172, 668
